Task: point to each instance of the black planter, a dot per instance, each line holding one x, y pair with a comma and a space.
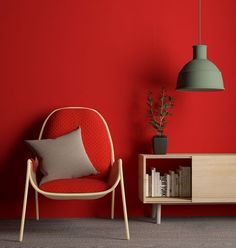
159, 144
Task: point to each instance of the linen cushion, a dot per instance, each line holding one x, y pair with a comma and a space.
96, 139
63, 157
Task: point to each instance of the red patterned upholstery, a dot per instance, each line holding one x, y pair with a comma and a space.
80, 185
94, 134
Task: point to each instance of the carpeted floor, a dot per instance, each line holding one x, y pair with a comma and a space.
101, 233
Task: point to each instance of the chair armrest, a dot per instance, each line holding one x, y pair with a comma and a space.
114, 172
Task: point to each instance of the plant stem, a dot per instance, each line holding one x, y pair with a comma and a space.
162, 107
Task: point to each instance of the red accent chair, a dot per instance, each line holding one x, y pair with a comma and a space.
99, 147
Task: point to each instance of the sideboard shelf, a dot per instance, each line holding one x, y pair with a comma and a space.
167, 200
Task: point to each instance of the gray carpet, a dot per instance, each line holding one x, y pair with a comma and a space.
101, 233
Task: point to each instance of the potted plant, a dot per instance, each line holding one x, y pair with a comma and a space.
158, 113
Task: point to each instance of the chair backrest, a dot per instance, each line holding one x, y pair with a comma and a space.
94, 129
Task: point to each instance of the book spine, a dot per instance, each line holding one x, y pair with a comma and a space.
157, 184
180, 182
186, 181
176, 184
163, 185
167, 185
184, 184
149, 185
189, 181
146, 185
172, 183
153, 182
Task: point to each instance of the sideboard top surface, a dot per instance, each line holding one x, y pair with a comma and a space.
183, 155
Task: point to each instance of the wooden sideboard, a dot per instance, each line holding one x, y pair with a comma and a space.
213, 180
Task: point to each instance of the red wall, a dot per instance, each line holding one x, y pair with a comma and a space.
106, 55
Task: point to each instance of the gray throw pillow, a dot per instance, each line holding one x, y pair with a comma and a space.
63, 157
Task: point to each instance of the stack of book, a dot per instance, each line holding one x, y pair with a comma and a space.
173, 184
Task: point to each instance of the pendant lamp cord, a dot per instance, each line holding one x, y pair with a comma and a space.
199, 23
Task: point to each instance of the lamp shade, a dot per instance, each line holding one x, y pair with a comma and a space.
200, 74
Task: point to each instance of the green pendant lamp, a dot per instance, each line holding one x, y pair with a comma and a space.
200, 74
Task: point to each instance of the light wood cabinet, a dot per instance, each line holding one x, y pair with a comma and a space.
213, 179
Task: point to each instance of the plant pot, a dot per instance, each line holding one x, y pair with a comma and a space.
159, 144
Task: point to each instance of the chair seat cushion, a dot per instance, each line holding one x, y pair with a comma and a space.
75, 185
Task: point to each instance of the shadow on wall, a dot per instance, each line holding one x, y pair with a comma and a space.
149, 76
12, 181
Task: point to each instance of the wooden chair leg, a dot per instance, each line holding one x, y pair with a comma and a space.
37, 205
112, 204
124, 204
24, 206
